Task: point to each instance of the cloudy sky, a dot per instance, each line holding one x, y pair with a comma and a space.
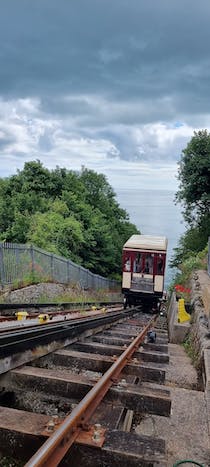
115, 85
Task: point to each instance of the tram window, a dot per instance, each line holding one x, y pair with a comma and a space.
138, 263
160, 265
149, 260
127, 265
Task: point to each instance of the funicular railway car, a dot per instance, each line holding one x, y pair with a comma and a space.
144, 261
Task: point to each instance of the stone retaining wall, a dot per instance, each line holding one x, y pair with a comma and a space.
200, 332
37, 293
206, 299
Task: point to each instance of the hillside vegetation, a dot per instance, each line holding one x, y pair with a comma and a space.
194, 196
72, 214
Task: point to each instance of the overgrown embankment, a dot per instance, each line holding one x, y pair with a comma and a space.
199, 336
56, 293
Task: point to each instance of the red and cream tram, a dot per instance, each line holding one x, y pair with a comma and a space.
144, 261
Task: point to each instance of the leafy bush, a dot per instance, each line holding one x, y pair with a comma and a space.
71, 214
188, 266
29, 279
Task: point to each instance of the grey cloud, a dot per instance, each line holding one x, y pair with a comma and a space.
126, 47
5, 140
104, 69
45, 142
145, 147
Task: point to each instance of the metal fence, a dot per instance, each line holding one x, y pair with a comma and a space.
24, 262
209, 258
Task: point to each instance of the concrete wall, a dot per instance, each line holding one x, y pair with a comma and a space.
206, 299
177, 331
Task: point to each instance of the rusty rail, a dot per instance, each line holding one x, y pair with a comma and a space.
54, 449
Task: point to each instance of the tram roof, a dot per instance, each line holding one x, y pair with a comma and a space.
146, 242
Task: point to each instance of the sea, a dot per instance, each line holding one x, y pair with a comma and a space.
154, 212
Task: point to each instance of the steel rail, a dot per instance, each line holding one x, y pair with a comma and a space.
14, 306
54, 449
51, 325
27, 325
62, 312
23, 339
10, 333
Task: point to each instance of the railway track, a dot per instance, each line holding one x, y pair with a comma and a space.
27, 340
8, 310
78, 403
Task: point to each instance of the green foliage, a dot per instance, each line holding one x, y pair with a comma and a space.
194, 195
194, 175
188, 266
192, 242
57, 234
71, 214
189, 346
31, 278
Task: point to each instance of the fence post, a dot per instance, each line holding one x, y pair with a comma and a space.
68, 272
2, 272
52, 266
32, 259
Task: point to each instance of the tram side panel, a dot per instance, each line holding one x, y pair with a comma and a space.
143, 275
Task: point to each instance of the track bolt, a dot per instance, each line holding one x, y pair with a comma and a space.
97, 432
97, 426
51, 425
122, 384
96, 436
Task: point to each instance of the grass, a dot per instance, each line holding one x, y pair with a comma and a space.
77, 297
74, 294
31, 278
191, 351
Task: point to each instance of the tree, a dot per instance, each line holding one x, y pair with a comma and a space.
190, 243
73, 214
194, 176
194, 195
35, 177
98, 191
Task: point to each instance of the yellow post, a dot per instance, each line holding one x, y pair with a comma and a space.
182, 314
21, 315
43, 318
